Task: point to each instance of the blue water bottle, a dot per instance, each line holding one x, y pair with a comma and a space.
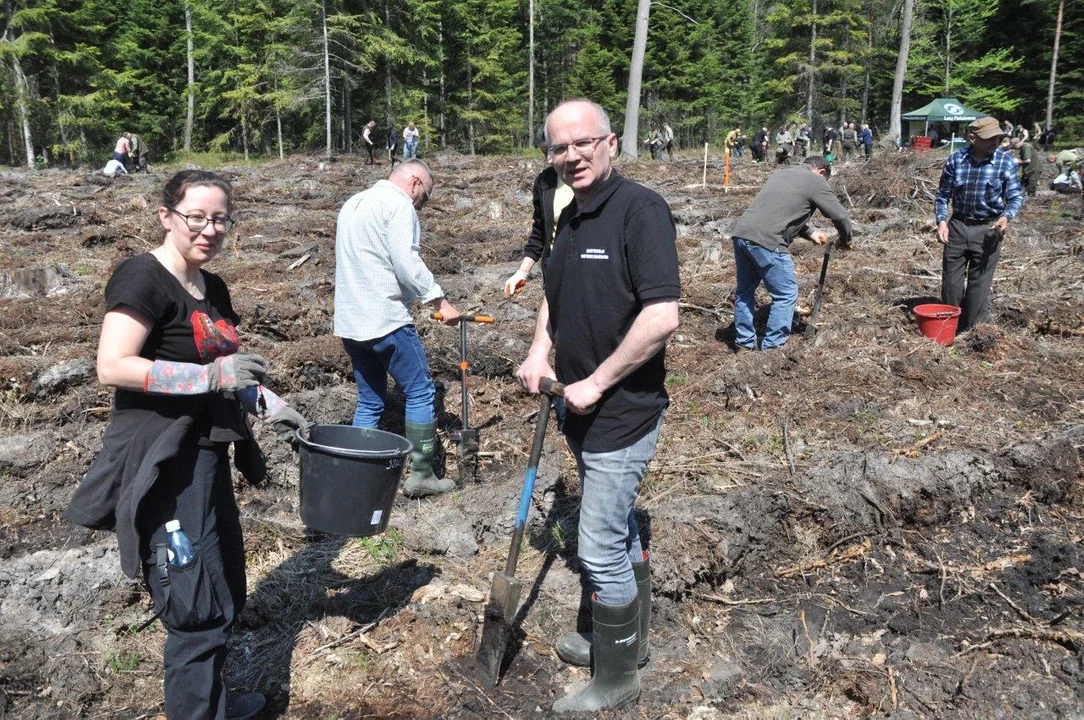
180, 550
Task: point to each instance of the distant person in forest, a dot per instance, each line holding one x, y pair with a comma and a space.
762, 236
391, 140
1051, 136
1067, 160
379, 273
654, 143
865, 136
369, 141
137, 152
1021, 133
831, 137
1026, 162
981, 183
739, 144
759, 142
410, 141
122, 149
113, 168
668, 140
731, 142
850, 141
1066, 183
1007, 128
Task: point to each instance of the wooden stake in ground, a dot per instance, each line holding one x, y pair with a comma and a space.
704, 179
726, 170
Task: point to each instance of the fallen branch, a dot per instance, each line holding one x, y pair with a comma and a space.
727, 601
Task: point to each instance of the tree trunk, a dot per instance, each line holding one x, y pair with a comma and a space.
327, 81
387, 68
895, 125
443, 99
948, 46
190, 120
1054, 67
244, 134
348, 117
630, 140
530, 73
865, 77
812, 64
470, 105
22, 91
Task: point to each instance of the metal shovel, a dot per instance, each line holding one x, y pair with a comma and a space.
504, 593
467, 437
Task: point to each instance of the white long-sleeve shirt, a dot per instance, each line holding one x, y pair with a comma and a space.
379, 271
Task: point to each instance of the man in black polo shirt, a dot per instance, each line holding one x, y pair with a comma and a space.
611, 302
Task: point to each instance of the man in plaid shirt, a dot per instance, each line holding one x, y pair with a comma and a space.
984, 188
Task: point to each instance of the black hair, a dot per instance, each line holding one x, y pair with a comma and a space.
819, 163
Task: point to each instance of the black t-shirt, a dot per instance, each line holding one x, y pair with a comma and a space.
611, 256
184, 329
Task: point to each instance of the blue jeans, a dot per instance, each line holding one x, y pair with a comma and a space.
400, 353
609, 540
775, 268
410, 149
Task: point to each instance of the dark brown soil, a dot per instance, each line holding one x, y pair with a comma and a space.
866, 524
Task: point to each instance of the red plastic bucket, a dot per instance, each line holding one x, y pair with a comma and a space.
938, 322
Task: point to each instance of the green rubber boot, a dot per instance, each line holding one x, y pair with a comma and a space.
423, 481
575, 647
615, 681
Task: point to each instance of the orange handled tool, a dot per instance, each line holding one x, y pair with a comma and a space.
467, 436
466, 318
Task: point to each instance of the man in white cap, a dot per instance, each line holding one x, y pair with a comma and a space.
982, 184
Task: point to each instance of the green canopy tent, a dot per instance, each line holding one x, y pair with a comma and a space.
940, 110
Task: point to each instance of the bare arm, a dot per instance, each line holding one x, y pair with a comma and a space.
122, 337
655, 323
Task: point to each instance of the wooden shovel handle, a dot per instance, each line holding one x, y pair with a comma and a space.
466, 318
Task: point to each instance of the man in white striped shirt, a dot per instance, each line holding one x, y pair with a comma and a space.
379, 273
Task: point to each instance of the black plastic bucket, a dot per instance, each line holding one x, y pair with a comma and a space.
349, 477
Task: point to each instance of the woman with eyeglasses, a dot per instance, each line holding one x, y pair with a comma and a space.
169, 346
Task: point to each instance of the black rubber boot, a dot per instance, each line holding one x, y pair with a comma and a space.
615, 681
575, 647
423, 481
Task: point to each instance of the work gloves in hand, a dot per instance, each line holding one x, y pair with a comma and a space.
230, 373
285, 422
516, 281
269, 407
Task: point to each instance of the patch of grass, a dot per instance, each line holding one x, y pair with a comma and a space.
384, 548
676, 379
123, 661
210, 160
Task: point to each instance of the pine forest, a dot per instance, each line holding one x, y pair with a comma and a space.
268, 77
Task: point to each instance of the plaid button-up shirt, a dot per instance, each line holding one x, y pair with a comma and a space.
979, 191
379, 272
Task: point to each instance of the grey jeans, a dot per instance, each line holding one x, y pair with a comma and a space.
971, 255
609, 540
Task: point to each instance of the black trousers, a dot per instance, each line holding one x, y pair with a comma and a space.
195, 488
967, 269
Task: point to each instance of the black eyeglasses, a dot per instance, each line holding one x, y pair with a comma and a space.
585, 147
196, 223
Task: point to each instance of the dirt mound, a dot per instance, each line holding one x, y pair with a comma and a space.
863, 524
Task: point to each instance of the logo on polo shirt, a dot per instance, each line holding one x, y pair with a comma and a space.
594, 254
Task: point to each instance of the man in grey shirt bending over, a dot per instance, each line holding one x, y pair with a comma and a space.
762, 237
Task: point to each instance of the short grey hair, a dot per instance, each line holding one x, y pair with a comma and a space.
603, 116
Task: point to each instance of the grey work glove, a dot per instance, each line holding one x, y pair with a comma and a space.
285, 422
238, 371
231, 373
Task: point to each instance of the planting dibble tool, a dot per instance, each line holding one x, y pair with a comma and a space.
504, 594
467, 437
810, 328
